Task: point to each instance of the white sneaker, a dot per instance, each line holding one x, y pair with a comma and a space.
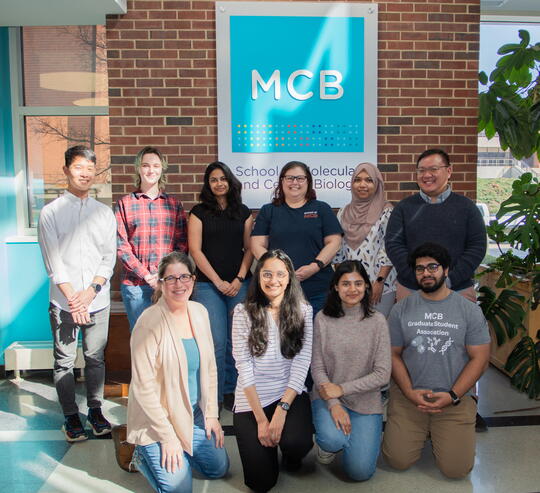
325, 457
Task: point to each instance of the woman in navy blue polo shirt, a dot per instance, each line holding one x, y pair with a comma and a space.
306, 229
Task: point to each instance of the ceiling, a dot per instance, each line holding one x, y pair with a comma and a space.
77, 12
511, 8
58, 12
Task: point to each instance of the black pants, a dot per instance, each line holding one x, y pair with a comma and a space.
260, 463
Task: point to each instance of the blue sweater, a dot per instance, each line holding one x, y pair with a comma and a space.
455, 224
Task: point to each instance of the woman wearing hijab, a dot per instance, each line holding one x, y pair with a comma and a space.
364, 222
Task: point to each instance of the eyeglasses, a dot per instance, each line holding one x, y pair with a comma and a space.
290, 178
268, 276
432, 169
221, 179
184, 279
432, 268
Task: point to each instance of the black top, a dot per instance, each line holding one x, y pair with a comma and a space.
222, 242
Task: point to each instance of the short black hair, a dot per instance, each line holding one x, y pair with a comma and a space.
333, 306
431, 152
433, 250
79, 151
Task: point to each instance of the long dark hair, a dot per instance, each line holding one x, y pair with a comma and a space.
279, 195
291, 319
333, 306
234, 195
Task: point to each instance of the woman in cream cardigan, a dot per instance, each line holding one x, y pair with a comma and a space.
172, 408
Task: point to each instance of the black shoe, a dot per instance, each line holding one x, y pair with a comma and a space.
481, 424
100, 426
290, 464
73, 429
228, 402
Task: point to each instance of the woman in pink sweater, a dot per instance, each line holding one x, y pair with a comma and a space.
351, 362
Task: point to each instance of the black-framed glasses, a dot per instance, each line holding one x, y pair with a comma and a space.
431, 268
184, 279
292, 178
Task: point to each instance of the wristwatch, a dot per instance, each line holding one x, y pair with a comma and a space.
455, 399
320, 263
240, 278
284, 405
96, 287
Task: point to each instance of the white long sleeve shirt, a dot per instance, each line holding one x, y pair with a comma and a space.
78, 242
271, 373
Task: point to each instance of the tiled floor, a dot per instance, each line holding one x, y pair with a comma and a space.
37, 459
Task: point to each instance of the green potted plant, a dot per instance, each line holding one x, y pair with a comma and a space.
510, 104
512, 316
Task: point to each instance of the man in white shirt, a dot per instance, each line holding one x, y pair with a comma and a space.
77, 236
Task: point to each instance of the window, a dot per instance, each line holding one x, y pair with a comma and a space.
59, 97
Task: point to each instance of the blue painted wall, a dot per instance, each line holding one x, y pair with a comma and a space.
24, 284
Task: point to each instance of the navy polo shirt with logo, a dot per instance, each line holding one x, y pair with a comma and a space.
300, 234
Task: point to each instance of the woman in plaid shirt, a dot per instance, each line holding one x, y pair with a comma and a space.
151, 224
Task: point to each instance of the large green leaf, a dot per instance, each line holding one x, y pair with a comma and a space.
523, 365
513, 88
504, 312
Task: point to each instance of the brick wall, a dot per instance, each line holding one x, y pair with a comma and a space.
162, 89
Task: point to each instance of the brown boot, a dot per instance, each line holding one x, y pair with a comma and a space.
123, 449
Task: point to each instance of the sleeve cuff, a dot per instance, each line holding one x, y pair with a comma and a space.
105, 272
60, 278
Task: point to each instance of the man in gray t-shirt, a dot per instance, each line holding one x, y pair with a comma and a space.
440, 348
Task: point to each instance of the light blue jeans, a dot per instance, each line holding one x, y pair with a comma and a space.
360, 448
220, 308
136, 300
207, 459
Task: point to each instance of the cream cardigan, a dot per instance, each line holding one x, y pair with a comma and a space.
159, 409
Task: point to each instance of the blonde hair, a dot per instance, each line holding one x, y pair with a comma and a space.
138, 163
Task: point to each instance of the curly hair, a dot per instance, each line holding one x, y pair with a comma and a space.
234, 195
333, 306
291, 318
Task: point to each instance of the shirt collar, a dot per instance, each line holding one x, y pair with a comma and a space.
440, 199
138, 194
74, 199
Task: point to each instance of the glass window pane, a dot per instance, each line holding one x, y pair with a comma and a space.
65, 66
47, 138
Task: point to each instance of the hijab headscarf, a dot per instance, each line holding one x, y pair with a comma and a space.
360, 215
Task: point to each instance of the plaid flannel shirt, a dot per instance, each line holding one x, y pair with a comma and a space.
148, 229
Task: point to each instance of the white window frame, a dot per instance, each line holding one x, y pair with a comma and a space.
18, 114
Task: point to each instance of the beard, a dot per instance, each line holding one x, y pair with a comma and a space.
433, 287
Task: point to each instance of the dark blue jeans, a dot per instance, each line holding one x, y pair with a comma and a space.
220, 308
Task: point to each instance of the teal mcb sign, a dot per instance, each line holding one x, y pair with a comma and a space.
297, 84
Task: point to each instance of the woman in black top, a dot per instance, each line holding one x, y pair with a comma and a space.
218, 237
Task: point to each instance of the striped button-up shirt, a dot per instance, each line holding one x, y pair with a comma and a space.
271, 373
148, 229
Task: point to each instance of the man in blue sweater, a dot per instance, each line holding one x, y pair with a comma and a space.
436, 214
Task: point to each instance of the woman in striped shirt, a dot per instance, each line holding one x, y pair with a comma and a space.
272, 334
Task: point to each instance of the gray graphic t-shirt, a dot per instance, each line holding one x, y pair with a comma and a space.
434, 336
